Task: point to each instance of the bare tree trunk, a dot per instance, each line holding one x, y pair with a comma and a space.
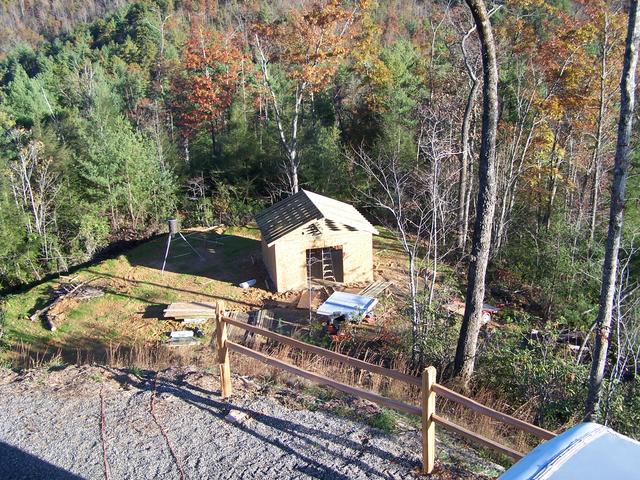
616, 214
290, 146
468, 340
553, 180
464, 154
597, 150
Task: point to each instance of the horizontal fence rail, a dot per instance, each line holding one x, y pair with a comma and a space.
338, 357
428, 386
475, 437
322, 380
490, 412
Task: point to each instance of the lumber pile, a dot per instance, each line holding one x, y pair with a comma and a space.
374, 289
190, 310
259, 318
307, 298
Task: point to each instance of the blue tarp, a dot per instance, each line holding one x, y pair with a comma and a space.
341, 303
588, 451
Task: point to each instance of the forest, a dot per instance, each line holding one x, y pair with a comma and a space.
117, 115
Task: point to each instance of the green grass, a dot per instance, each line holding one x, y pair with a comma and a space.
133, 282
134, 370
234, 246
384, 420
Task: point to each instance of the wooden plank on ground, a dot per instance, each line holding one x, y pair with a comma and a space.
375, 289
182, 310
307, 298
322, 380
194, 321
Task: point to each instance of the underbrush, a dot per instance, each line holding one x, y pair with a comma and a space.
141, 356
537, 375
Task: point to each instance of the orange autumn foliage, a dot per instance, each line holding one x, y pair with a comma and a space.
212, 66
309, 44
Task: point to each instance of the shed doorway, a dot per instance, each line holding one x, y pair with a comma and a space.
325, 264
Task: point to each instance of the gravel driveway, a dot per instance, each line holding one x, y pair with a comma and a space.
93, 422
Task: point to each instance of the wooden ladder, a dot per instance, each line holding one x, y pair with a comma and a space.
327, 265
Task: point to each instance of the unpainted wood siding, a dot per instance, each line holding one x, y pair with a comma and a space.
269, 259
287, 265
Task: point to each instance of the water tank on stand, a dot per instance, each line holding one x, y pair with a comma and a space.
173, 226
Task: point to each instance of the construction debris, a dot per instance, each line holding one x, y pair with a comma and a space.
349, 304
457, 307
182, 342
194, 321
182, 338
248, 283
307, 298
181, 334
375, 289
237, 417
190, 310
64, 292
259, 318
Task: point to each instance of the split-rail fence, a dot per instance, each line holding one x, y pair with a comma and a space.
427, 383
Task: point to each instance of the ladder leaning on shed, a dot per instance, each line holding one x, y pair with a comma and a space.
327, 265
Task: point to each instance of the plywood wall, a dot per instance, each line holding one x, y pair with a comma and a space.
286, 259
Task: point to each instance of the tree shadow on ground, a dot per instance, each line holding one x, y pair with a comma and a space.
200, 398
16, 464
208, 296
225, 258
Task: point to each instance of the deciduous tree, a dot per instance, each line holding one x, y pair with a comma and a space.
616, 212
307, 48
472, 320
205, 90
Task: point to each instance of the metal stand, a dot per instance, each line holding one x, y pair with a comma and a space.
166, 253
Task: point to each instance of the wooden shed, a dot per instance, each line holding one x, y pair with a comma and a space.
312, 235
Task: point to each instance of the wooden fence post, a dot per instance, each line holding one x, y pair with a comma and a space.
428, 425
223, 352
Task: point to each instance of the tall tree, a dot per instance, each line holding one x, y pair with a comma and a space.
468, 339
465, 153
616, 212
205, 90
307, 47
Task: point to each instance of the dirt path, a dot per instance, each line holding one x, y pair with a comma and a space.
53, 423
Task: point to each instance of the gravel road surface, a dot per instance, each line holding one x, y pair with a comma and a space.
95, 423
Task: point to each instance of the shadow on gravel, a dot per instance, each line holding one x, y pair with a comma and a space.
190, 393
16, 464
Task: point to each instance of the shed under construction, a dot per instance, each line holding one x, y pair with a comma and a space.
311, 236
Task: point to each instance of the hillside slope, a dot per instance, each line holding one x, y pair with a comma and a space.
156, 425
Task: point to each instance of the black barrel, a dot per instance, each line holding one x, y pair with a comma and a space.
173, 225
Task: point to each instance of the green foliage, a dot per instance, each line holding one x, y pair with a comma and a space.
438, 343
623, 406
27, 100
549, 264
384, 420
101, 102
93, 232
324, 162
535, 371
406, 89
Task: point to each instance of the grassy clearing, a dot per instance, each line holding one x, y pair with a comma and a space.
123, 328
128, 314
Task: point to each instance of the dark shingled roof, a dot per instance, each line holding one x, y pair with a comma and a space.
303, 207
